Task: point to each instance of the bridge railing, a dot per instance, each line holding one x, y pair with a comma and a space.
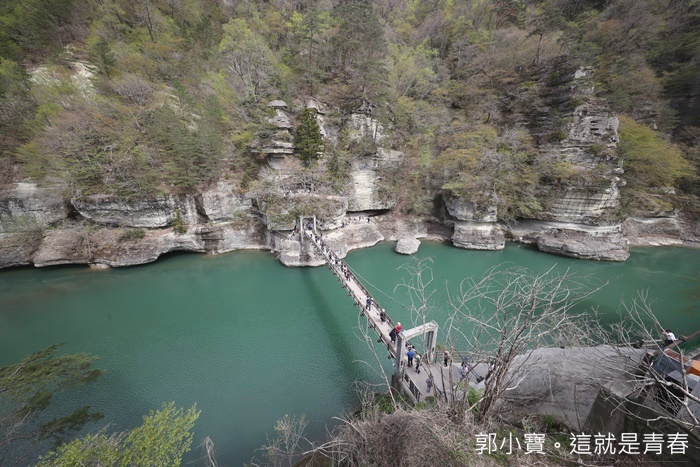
412, 386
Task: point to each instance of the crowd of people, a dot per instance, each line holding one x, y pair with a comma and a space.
335, 262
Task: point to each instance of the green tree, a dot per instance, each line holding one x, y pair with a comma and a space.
309, 30
26, 391
412, 70
308, 139
30, 27
249, 60
178, 147
163, 438
650, 160
361, 49
16, 105
101, 55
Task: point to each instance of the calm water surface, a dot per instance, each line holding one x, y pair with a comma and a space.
250, 340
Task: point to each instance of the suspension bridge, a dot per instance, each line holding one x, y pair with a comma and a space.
410, 380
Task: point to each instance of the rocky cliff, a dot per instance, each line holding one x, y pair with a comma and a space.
580, 218
42, 225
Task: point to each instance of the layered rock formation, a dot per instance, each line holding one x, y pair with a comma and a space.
474, 228
26, 204
101, 230
366, 173
581, 220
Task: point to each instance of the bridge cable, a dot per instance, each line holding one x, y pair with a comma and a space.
364, 280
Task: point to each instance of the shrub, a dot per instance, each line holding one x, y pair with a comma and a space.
178, 223
132, 234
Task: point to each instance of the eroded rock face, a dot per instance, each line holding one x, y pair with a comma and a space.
465, 210
294, 252
281, 120
117, 253
109, 247
235, 236
361, 235
478, 236
365, 173
29, 205
363, 126
63, 246
653, 231
577, 244
591, 145
593, 124
407, 246
690, 227
585, 206
17, 249
221, 204
149, 213
395, 228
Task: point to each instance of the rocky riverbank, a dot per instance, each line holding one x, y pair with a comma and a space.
45, 225
41, 228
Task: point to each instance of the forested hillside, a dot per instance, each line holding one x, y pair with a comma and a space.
135, 98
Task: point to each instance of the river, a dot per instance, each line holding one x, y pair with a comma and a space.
250, 340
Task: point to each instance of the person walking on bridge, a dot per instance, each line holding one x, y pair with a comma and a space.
410, 354
395, 332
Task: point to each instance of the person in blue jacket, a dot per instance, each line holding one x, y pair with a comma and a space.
410, 354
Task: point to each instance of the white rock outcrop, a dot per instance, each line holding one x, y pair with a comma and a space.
478, 235
149, 213
27, 205
366, 181
407, 246
221, 204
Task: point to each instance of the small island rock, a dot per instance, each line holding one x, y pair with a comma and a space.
407, 246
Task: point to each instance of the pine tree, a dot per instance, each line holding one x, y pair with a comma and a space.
308, 139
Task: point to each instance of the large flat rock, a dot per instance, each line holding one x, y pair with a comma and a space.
565, 383
576, 244
149, 213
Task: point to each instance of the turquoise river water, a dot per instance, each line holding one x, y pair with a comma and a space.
250, 340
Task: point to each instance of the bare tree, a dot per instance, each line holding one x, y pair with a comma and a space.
510, 311
494, 319
661, 384
286, 446
207, 447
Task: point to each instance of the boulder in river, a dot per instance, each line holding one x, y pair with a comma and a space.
407, 246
